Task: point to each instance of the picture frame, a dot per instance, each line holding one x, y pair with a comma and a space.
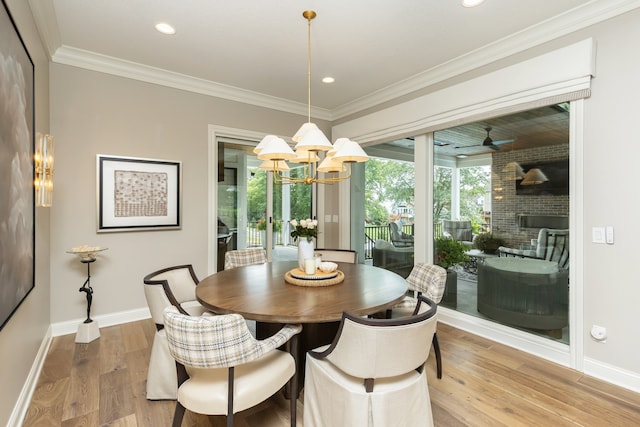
138, 194
17, 193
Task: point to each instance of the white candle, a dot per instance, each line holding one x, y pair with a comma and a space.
309, 266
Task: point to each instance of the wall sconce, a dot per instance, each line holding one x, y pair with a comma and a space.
43, 160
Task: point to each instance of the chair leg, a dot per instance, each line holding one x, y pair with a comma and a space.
230, 380
293, 394
436, 348
178, 415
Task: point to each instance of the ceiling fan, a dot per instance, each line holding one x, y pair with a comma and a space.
488, 142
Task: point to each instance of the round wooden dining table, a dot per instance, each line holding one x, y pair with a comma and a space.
260, 292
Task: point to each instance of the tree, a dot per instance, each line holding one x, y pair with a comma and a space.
442, 193
473, 187
388, 183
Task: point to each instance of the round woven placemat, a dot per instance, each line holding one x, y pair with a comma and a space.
313, 282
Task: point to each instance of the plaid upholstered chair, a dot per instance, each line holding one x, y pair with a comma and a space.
222, 368
428, 280
372, 373
242, 257
172, 286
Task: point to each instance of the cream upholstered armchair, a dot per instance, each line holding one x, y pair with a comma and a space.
243, 257
428, 280
222, 368
172, 286
362, 377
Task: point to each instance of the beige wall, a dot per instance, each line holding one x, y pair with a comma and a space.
21, 337
94, 113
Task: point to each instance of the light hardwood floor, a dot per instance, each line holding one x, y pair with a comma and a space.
484, 384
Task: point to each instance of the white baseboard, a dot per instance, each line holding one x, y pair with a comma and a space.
24, 399
612, 374
71, 326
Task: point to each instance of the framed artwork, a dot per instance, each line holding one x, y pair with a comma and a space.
17, 207
138, 194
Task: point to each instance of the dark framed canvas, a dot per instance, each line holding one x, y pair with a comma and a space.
138, 194
17, 208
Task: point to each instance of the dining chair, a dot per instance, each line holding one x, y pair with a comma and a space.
172, 286
337, 255
222, 369
429, 280
362, 377
243, 257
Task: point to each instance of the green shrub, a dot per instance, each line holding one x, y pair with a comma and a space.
449, 252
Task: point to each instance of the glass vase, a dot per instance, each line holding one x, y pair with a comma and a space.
305, 251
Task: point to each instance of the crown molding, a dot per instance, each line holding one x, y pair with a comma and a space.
589, 14
573, 20
106, 64
44, 16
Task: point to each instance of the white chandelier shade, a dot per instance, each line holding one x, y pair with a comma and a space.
310, 140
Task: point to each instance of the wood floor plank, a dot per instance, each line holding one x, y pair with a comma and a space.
84, 388
151, 412
47, 404
86, 420
58, 362
484, 384
112, 350
116, 396
134, 336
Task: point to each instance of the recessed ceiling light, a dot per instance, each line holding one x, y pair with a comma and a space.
472, 3
165, 28
328, 80
461, 156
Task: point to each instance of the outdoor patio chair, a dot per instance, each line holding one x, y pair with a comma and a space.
399, 238
552, 245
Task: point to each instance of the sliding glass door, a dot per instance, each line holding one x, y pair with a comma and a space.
501, 192
254, 211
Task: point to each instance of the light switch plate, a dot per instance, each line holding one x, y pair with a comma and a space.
597, 235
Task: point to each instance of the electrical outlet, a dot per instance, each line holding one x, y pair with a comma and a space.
599, 333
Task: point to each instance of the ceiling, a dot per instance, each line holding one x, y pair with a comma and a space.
256, 50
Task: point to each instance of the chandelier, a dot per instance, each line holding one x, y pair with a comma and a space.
310, 141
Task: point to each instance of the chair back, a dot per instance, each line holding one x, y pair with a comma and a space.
398, 237
553, 245
458, 230
170, 286
338, 255
208, 341
243, 257
369, 348
429, 280
221, 341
